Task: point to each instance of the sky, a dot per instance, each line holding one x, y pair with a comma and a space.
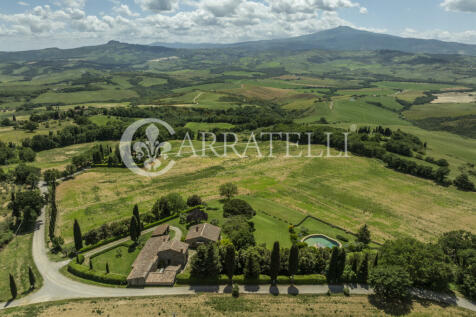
37, 24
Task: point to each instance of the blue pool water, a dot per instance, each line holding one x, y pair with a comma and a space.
321, 241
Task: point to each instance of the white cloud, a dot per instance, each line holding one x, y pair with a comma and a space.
124, 10
158, 5
22, 3
71, 3
468, 36
459, 5
364, 10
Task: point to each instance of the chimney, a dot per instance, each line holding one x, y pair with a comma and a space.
196, 228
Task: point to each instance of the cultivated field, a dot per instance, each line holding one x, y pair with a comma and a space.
225, 305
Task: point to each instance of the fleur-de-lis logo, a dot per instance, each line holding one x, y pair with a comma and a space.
150, 151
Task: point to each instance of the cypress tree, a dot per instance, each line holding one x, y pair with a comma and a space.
213, 264
133, 229
293, 261
78, 237
375, 260
53, 215
275, 262
354, 263
252, 267
135, 212
341, 264
107, 267
13, 287
363, 273
333, 263
230, 261
32, 278
90, 264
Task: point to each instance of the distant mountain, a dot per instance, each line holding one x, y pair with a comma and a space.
347, 39
179, 45
111, 53
117, 54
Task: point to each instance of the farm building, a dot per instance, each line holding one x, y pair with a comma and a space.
202, 233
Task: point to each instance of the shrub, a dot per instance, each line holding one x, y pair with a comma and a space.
86, 273
342, 238
238, 207
346, 291
236, 291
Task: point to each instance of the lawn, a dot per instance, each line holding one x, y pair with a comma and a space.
15, 259
119, 258
225, 305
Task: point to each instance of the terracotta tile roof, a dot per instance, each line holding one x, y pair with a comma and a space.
166, 277
204, 230
160, 230
147, 257
174, 245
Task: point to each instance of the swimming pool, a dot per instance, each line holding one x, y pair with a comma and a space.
321, 241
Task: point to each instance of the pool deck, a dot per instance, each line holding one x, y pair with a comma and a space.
321, 235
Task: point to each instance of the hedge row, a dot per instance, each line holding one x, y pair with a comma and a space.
84, 272
112, 239
310, 279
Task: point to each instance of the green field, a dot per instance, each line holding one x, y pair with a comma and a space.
15, 259
345, 192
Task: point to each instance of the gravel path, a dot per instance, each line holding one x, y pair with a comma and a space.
56, 286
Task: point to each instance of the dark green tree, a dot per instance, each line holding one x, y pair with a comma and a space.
194, 200
31, 278
462, 182
293, 261
213, 263
134, 229
230, 258
136, 214
107, 267
390, 283
275, 262
78, 237
333, 264
90, 264
238, 207
228, 190
13, 287
252, 268
375, 260
363, 273
363, 235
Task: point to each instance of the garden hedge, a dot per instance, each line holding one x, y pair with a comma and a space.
84, 272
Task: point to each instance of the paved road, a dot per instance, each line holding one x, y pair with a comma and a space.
56, 286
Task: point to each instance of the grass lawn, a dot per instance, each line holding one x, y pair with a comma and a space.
119, 258
225, 305
15, 259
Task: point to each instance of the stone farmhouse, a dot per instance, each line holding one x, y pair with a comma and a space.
161, 258
202, 233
